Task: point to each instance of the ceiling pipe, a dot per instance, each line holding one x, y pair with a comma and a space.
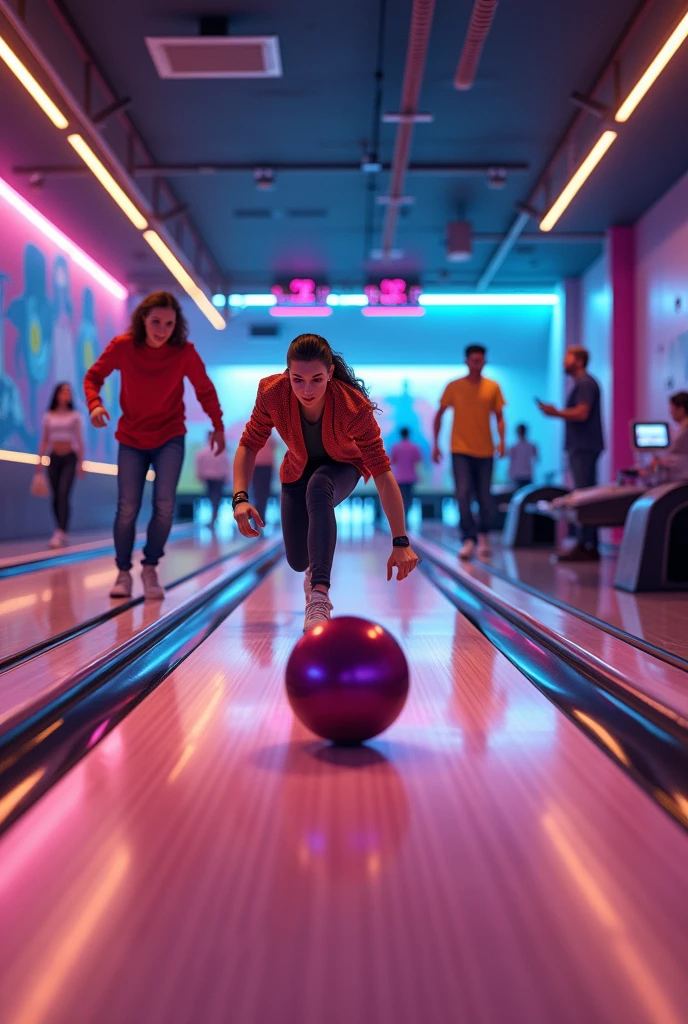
416, 54
610, 66
463, 170
478, 29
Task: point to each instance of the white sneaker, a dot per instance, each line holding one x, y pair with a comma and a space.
152, 589
317, 610
467, 549
122, 587
58, 539
483, 550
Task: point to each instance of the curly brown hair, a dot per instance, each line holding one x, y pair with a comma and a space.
158, 300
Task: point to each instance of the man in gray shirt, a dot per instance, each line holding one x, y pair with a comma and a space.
584, 441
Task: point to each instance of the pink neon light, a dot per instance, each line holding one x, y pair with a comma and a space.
300, 311
29, 212
393, 311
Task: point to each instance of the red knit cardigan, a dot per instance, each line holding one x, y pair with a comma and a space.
349, 429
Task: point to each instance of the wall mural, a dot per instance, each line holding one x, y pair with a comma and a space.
54, 323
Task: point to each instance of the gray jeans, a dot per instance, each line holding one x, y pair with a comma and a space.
583, 466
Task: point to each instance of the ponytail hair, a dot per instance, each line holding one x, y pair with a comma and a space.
311, 348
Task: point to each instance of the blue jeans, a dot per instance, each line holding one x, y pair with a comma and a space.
406, 496
473, 475
583, 466
214, 489
309, 526
132, 466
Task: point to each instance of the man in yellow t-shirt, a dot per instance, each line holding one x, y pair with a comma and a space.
474, 399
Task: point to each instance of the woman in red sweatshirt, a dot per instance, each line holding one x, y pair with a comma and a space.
324, 416
153, 358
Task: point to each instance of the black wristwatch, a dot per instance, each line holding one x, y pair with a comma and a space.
239, 498
401, 542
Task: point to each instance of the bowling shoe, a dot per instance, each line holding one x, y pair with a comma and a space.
483, 550
122, 587
152, 589
318, 610
467, 549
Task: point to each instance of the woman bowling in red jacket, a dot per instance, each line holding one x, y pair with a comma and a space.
153, 358
324, 416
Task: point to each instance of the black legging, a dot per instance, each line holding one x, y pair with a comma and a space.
308, 522
61, 473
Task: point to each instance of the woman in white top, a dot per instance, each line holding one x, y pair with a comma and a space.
63, 441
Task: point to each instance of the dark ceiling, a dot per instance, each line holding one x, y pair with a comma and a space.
324, 224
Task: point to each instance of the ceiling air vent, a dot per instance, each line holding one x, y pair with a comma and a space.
216, 56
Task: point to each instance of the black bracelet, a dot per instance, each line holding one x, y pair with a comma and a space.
401, 542
238, 498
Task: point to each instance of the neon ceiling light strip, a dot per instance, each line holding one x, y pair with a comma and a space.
165, 254
252, 300
393, 311
647, 80
37, 92
498, 299
300, 311
577, 181
347, 300
100, 171
61, 241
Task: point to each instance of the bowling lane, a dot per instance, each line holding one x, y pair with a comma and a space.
210, 860
658, 619
664, 683
45, 676
41, 604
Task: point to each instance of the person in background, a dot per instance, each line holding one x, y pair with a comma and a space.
584, 442
212, 470
153, 357
262, 476
474, 399
674, 462
63, 441
405, 456
522, 455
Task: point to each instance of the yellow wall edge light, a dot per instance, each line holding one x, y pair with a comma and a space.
31, 85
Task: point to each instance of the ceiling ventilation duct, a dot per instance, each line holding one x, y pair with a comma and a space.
216, 56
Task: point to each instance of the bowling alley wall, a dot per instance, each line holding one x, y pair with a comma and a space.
58, 310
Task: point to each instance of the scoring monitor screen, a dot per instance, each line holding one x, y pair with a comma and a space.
651, 435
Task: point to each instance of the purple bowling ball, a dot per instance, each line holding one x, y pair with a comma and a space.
347, 680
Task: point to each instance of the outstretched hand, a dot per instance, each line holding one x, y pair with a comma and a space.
405, 560
243, 513
99, 416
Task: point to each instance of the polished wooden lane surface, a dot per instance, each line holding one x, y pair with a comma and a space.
44, 677
39, 605
663, 683
210, 861
658, 619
